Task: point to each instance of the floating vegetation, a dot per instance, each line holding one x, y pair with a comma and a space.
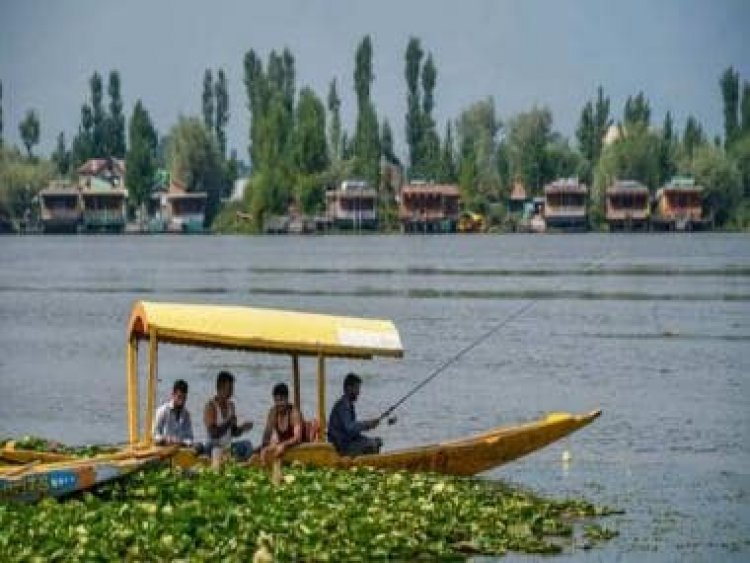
314, 514
37, 444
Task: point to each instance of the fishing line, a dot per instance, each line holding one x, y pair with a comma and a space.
450, 361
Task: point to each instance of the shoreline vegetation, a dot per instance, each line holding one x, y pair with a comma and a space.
313, 514
298, 150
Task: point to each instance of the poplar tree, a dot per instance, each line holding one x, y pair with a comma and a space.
666, 149
29, 130
414, 121
61, 156
141, 157
430, 143
367, 134
99, 117
693, 136
448, 157
115, 144
207, 105
730, 91
744, 110
222, 112
83, 143
334, 108
637, 110
1, 113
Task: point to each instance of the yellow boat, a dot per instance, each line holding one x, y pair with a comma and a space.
294, 334
298, 334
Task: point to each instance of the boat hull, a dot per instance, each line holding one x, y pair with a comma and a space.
467, 456
40, 475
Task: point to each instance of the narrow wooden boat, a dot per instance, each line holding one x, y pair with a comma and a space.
322, 336
39, 476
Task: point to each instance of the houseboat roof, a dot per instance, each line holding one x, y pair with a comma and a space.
627, 187
352, 192
59, 188
264, 330
568, 185
187, 195
94, 166
670, 188
438, 189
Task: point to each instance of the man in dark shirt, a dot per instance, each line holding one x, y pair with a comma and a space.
344, 430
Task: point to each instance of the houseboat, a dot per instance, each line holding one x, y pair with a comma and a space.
627, 206
565, 205
103, 207
428, 208
173, 209
518, 199
354, 205
60, 208
678, 206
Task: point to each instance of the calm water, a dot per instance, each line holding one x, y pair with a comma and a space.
655, 330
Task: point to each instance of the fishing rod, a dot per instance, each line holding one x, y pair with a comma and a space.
442, 367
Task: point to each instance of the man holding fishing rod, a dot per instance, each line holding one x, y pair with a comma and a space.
344, 430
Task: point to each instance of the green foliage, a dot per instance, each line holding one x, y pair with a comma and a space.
1, 113
740, 153
592, 127
309, 148
207, 105
61, 157
99, 117
334, 107
195, 162
29, 129
529, 135
141, 158
667, 150
321, 515
720, 180
478, 176
730, 92
414, 121
367, 132
447, 173
115, 124
83, 143
744, 110
222, 111
637, 111
20, 180
693, 137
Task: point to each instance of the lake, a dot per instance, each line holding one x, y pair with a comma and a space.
652, 329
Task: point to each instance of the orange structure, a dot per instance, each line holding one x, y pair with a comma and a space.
627, 206
565, 205
428, 208
679, 206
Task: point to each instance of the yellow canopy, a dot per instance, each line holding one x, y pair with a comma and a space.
266, 330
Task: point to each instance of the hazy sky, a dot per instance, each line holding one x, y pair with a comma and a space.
521, 53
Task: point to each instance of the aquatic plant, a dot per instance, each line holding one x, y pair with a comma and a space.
314, 514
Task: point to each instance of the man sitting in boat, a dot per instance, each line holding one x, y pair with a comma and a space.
220, 419
344, 430
173, 424
284, 425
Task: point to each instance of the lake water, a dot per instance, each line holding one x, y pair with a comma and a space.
653, 329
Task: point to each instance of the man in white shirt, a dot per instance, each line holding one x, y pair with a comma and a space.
173, 424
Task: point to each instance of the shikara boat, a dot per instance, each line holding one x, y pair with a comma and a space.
293, 334
298, 334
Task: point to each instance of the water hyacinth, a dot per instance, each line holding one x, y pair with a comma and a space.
313, 514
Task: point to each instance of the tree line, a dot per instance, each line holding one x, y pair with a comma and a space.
298, 147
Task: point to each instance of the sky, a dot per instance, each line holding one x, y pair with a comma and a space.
521, 53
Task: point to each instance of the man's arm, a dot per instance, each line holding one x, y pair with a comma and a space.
268, 429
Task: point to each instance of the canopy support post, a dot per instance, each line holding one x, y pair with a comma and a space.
322, 397
132, 382
295, 372
153, 351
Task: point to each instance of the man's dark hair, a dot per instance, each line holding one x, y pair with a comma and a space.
351, 380
224, 377
280, 389
180, 385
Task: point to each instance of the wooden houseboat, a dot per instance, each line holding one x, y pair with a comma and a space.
518, 199
627, 206
103, 207
429, 208
60, 208
354, 205
173, 209
565, 205
678, 206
